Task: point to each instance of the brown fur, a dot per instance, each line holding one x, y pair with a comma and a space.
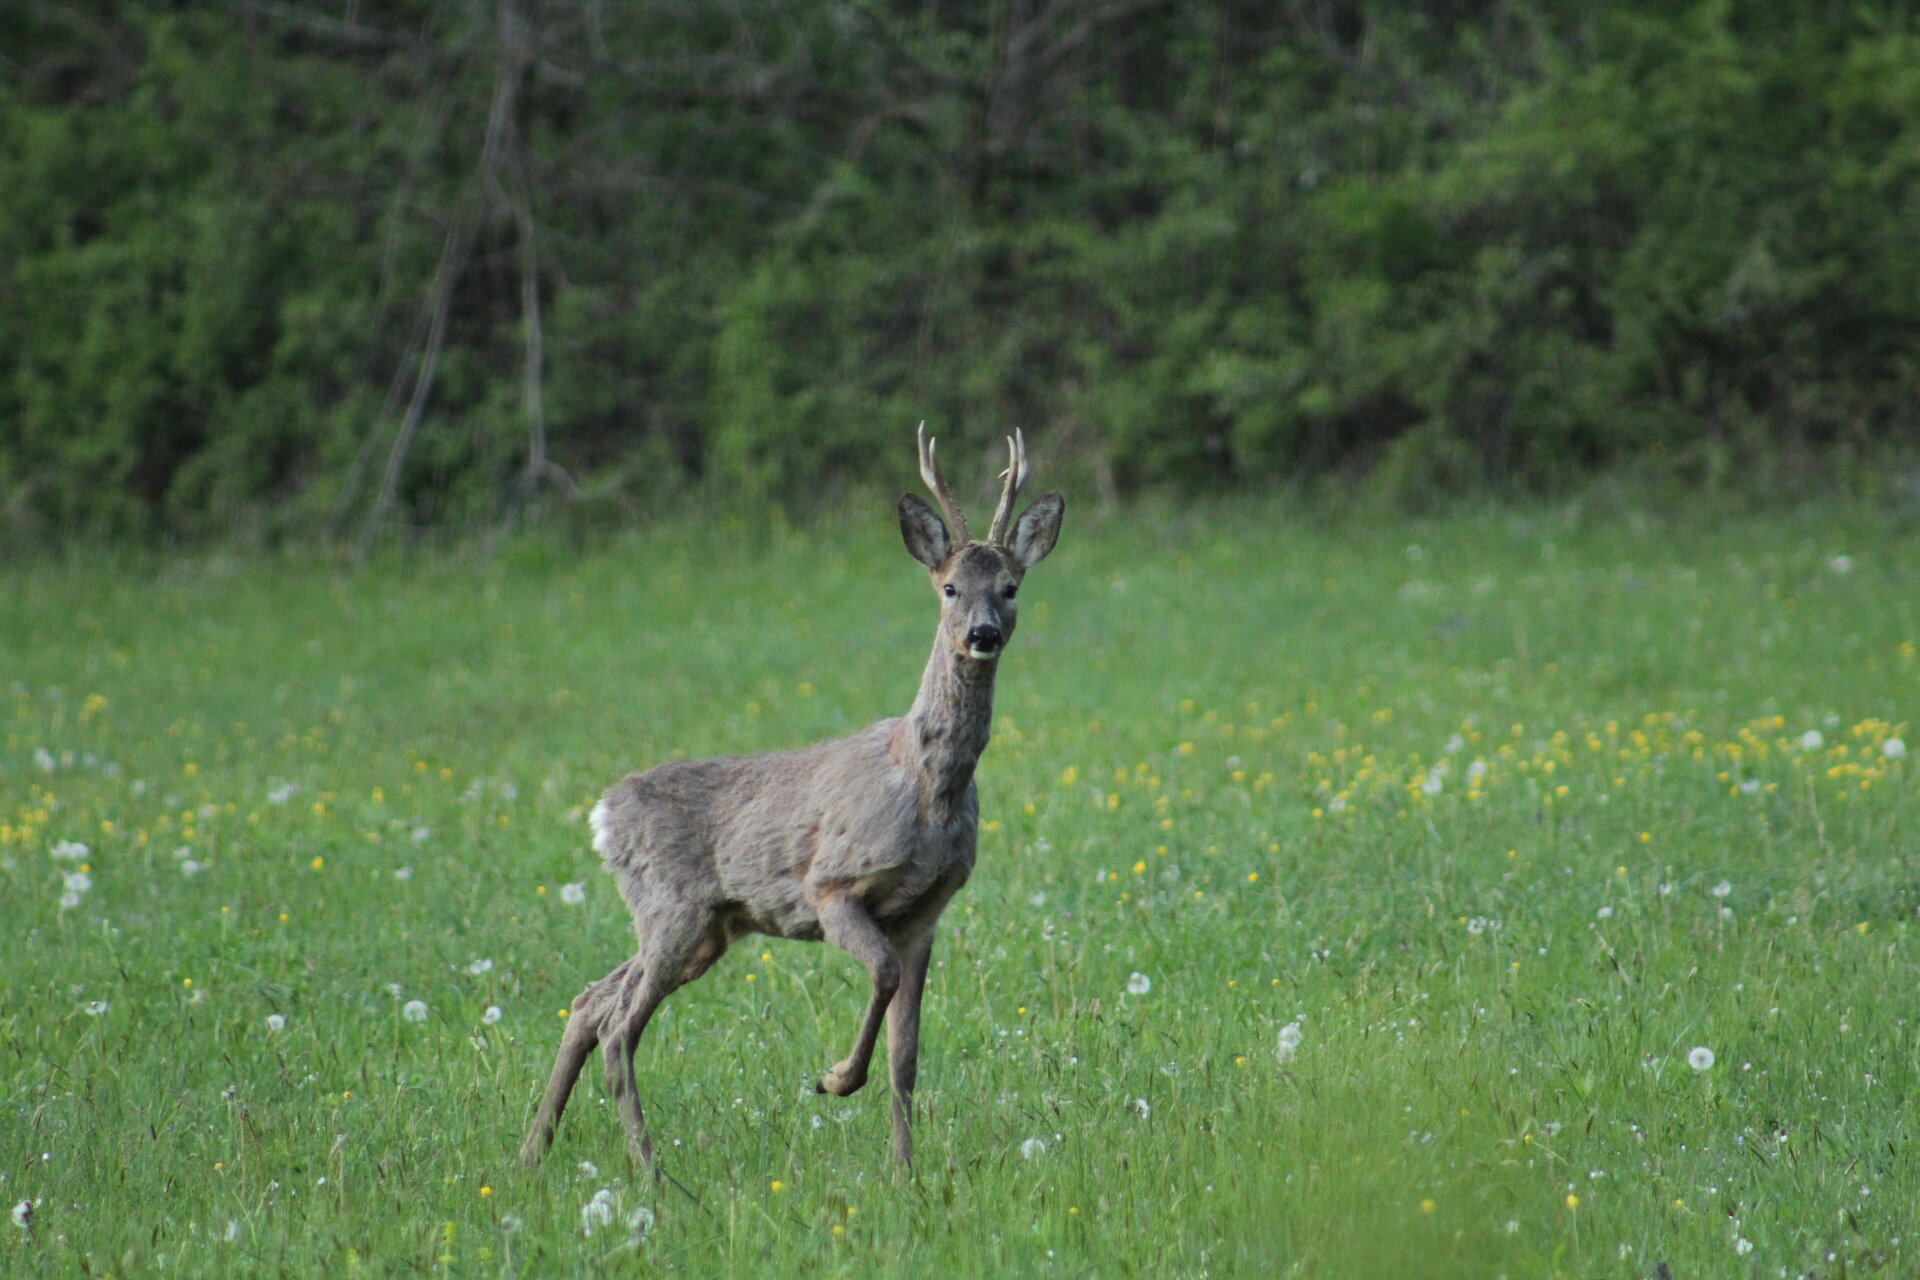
861, 840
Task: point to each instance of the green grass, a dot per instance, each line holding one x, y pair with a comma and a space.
1214, 729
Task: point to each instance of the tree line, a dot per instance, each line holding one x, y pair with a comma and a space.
292, 268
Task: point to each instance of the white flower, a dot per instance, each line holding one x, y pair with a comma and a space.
1141, 1108
191, 868
597, 1212
403, 873
422, 834
1749, 786
276, 1023
232, 1233
1604, 913
1476, 771
71, 851
1722, 889
69, 900
1290, 1036
1812, 740
1700, 1058
1139, 984
588, 1169
44, 758
479, 967
1840, 564
414, 1011
78, 882
23, 1215
1742, 1245
1894, 749
282, 793
96, 1007
640, 1222
492, 1015
1033, 1148
573, 894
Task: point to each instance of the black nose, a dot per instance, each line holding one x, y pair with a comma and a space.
985, 638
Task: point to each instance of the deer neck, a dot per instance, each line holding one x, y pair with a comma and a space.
948, 728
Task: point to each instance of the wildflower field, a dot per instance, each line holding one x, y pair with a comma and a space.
1525, 894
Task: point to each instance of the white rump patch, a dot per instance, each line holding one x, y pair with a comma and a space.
598, 821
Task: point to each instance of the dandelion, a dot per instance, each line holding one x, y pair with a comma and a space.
96, 1007
479, 967
776, 1186
414, 1011
589, 1170
1840, 564
597, 1212
573, 894
640, 1222
420, 835
1742, 1245
1139, 984
69, 900
1290, 1037
1604, 913
78, 882
276, 1023
1033, 1148
1700, 1058
1894, 749
191, 868
403, 873
492, 1015
1812, 740
282, 793
1722, 889
70, 851
23, 1215
44, 758
1141, 1108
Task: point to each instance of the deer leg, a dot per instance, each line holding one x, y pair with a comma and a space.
903, 1044
674, 960
585, 1026
847, 925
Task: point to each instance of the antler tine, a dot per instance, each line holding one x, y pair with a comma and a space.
1016, 475
930, 472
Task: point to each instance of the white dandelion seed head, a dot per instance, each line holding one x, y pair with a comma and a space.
492, 1015
1604, 913
190, 868
1840, 564
1289, 1042
597, 1212
640, 1222
69, 900
282, 793
1742, 1245
1894, 749
276, 1023
70, 851
573, 894
1033, 1148
403, 873
421, 835
78, 882
1722, 889
588, 1169
96, 1007
1812, 740
1700, 1058
479, 967
23, 1215
44, 758
414, 1011
1142, 1108
1139, 984
1476, 771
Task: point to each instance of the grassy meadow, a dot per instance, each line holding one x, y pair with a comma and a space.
1352, 901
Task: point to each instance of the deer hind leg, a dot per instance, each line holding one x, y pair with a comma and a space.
585, 1028
679, 947
847, 925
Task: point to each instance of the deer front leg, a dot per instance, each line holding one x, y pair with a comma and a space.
847, 925
903, 1045
590, 1010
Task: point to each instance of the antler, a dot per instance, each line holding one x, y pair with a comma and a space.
930, 472
1016, 474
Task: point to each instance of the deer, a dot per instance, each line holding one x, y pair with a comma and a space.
860, 841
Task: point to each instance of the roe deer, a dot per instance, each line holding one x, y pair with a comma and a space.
859, 840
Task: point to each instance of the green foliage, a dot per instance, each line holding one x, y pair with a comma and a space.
1451, 245
1505, 814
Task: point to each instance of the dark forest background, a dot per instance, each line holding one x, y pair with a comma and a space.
295, 269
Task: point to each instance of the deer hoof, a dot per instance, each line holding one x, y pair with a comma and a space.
839, 1083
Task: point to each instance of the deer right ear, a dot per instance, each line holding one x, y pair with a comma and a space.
924, 531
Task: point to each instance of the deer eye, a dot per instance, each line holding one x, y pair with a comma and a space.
951, 593
1010, 590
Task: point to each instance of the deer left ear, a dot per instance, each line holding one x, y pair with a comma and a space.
1037, 530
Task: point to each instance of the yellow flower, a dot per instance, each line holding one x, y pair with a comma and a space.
1139, 867
318, 863
486, 1191
776, 1186
1429, 1205
1573, 1201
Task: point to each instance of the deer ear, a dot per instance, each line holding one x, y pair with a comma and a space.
1038, 530
924, 530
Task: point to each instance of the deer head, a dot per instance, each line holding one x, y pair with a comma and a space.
977, 581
